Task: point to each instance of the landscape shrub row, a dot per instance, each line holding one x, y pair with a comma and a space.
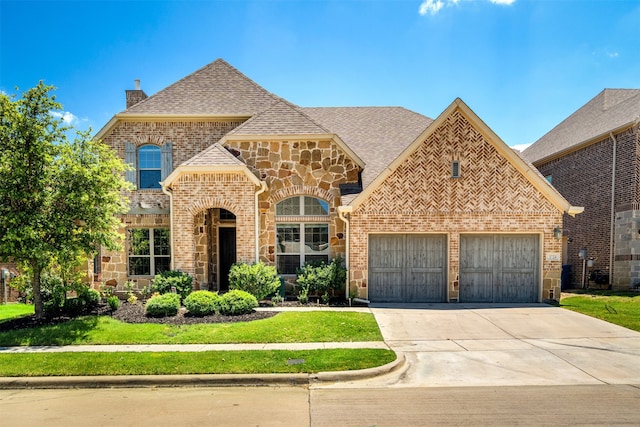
203, 303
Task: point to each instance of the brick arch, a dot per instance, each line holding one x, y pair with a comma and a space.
156, 140
212, 202
301, 190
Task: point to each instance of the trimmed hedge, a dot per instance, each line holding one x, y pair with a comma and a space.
202, 303
237, 302
163, 305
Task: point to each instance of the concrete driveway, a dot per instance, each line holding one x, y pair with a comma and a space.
449, 345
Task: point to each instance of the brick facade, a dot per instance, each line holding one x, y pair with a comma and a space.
491, 196
585, 176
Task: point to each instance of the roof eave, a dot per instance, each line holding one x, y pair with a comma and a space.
586, 143
184, 169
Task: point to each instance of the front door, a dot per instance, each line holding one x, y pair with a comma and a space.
227, 255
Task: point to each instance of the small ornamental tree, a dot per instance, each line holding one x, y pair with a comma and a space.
58, 198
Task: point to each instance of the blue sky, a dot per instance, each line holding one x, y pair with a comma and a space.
522, 66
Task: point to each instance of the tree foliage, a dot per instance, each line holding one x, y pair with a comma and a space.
58, 197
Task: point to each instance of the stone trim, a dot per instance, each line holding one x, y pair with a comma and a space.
301, 190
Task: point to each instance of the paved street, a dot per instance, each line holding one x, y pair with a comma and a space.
299, 406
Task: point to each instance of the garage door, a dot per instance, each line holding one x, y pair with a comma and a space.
499, 268
407, 268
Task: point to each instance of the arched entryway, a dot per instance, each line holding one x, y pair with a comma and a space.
216, 248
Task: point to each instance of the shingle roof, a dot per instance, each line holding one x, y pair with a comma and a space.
376, 134
282, 118
216, 155
217, 89
609, 110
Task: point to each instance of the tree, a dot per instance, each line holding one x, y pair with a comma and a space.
58, 198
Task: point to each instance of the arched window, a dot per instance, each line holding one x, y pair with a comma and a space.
302, 233
149, 167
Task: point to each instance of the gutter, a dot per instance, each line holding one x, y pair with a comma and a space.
613, 207
342, 210
262, 189
169, 192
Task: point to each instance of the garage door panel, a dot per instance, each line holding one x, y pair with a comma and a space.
417, 272
499, 268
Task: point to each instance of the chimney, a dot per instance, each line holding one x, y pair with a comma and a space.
136, 95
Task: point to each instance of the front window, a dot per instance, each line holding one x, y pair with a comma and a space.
149, 166
301, 237
149, 251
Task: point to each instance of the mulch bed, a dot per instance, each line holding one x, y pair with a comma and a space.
135, 313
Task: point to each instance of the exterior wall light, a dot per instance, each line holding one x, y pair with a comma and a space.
557, 233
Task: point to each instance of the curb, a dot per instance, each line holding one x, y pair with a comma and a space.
206, 380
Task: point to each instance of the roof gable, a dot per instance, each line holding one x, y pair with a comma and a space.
492, 174
217, 89
215, 155
608, 111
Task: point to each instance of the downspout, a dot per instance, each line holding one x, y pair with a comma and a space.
342, 210
262, 189
613, 208
169, 192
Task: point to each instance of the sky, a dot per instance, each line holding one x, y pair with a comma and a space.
522, 66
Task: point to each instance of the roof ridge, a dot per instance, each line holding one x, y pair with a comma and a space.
200, 70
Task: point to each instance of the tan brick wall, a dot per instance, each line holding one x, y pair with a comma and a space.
421, 197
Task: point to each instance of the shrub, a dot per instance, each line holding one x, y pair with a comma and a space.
237, 302
91, 298
113, 302
319, 279
74, 306
167, 281
258, 279
202, 303
163, 305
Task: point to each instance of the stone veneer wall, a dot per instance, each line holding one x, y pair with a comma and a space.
421, 197
584, 178
294, 168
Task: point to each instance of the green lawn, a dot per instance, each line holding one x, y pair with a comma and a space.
9, 311
209, 362
285, 327
621, 308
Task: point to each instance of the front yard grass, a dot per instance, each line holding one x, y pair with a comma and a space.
620, 308
285, 327
10, 311
206, 362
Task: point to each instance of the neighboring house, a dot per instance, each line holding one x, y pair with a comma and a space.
8, 270
592, 158
421, 210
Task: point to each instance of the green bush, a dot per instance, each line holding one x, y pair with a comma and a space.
91, 298
237, 302
113, 302
202, 303
163, 305
258, 279
167, 281
74, 306
319, 279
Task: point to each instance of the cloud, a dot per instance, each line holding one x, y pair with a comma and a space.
66, 117
431, 7
612, 54
520, 147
